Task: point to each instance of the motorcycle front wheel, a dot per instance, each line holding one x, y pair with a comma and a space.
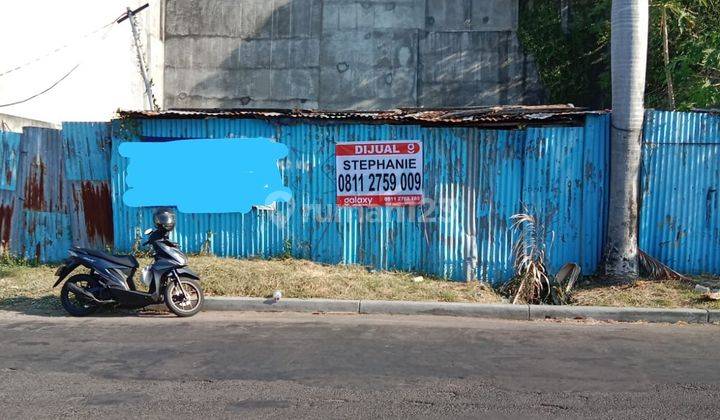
76, 304
186, 301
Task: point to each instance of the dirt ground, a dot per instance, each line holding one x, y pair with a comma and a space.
648, 293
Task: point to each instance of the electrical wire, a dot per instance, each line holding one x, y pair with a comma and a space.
44, 91
109, 25
57, 82
56, 50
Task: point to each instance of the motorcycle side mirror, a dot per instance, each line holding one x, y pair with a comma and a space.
148, 231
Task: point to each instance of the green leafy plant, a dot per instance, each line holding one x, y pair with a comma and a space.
10, 260
575, 67
287, 249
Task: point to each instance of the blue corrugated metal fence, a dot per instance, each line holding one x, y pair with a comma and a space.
56, 188
475, 179
9, 156
680, 214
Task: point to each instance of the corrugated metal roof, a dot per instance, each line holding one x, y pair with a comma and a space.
497, 116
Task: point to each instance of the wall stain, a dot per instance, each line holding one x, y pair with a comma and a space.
35, 187
6, 213
97, 209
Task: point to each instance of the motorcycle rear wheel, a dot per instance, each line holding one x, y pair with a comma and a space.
184, 305
77, 305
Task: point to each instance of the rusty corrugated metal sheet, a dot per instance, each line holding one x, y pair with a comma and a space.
9, 156
44, 236
475, 178
490, 116
56, 191
91, 214
42, 170
87, 147
680, 185
87, 151
42, 230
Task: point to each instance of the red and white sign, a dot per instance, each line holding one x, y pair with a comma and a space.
379, 173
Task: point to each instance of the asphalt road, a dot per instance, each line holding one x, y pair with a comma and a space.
339, 366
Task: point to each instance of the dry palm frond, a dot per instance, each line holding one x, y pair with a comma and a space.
656, 270
533, 284
206, 247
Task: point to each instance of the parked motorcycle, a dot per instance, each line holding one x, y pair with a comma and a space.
111, 283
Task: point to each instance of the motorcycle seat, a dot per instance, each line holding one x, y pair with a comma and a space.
124, 260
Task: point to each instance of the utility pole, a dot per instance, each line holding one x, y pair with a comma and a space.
628, 66
130, 15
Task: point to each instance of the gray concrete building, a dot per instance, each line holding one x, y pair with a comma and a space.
338, 54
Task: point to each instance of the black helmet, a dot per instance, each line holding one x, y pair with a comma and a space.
164, 218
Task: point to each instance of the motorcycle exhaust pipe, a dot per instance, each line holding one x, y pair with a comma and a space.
80, 291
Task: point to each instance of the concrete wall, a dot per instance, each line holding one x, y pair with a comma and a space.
153, 19
15, 124
344, 54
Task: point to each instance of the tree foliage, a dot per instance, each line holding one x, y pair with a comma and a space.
575, 68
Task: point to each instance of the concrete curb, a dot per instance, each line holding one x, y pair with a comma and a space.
624, 314
714, 316
517, 312
289, 305
495, 311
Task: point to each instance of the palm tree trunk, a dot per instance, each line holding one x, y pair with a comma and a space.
628, 62
666, 57
565, 17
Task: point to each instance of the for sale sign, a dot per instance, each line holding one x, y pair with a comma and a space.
379, 173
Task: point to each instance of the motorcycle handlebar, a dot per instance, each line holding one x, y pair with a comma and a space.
163, 236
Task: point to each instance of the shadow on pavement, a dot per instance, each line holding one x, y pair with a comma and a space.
50, 306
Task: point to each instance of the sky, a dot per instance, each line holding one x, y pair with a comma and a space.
107, 78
